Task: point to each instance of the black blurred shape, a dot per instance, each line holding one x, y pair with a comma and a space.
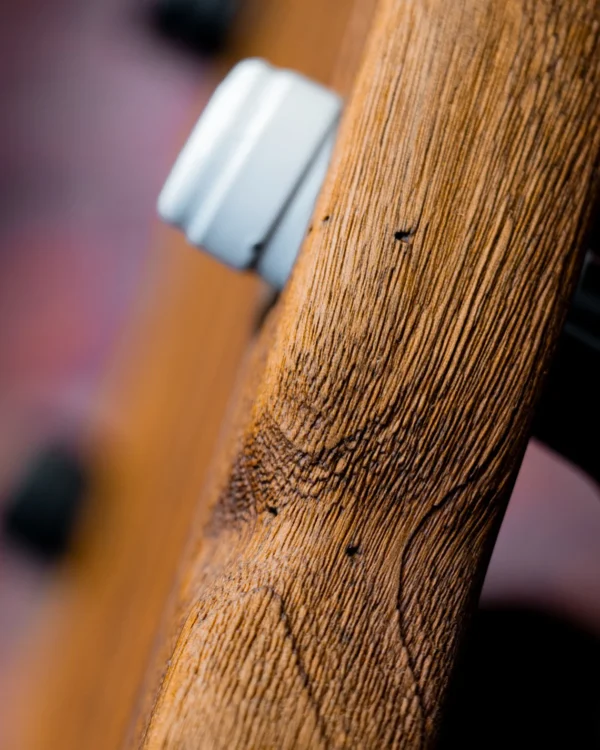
527, 680
590, 281
568, 416
43, 510
201, 25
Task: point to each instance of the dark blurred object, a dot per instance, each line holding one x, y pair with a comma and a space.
583, 322
201, 25
527, 680
42, 512
568, 416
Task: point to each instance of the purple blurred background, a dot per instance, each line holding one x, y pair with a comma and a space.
93, 108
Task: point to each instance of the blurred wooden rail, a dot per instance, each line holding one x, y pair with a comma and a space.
168, 394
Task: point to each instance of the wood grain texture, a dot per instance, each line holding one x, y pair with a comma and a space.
166, 397
349, 539
345, 25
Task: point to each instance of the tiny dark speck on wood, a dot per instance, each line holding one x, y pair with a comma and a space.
403, 235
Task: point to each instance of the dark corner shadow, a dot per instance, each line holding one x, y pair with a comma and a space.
526, 680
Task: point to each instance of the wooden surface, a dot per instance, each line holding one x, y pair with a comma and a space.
395, 387
166, 399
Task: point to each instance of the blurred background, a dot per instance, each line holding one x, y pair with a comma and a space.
120, 347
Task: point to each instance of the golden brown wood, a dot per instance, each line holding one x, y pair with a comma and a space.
166, 399
356, 16
350, 537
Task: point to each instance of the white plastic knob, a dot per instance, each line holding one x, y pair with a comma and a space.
245, 183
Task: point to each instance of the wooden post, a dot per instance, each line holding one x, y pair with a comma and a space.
364, 490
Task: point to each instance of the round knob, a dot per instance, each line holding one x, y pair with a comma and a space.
245, 184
